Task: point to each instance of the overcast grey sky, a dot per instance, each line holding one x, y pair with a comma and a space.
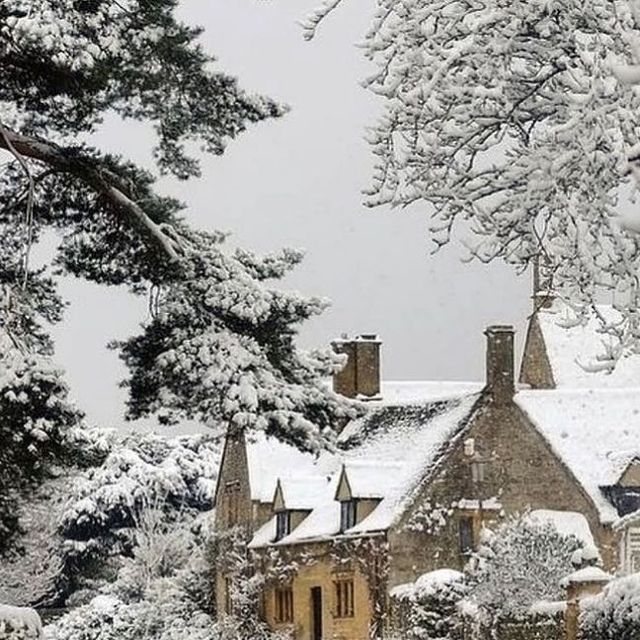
297, 182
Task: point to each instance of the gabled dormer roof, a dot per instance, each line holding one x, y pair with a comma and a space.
299, 493
366, 479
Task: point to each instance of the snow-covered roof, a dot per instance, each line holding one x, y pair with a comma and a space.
301, 492
269, 458
385, 455
369, 478
593, 431
576, 346
410, 392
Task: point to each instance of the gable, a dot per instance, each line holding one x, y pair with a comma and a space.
631, 475
278, 499
593, 431
343, 492
576, 348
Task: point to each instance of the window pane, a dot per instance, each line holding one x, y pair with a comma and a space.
466, 535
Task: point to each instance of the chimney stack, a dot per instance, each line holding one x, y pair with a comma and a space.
500, 369
542, 285
361, 374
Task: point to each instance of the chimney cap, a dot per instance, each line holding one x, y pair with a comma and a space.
499, 328
368, 337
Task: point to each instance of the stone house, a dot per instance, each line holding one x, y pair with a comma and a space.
431, 463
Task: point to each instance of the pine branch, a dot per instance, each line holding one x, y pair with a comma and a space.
101, 181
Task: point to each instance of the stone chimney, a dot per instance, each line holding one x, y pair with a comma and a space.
361, 374
500, 373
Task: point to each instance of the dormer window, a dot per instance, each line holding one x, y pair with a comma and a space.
283, 524
348, 514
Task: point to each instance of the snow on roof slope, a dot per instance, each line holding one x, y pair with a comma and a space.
268, 459
595, 432
413, 391
385, 454
575, 348
566, 523
413, 436
369, 478
301, 492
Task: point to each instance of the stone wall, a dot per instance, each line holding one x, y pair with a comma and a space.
521, 473
316, 567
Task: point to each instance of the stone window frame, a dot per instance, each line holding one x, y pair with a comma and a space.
283, 604
344, 595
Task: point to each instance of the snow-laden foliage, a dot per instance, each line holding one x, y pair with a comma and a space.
40, 429
30, 571
19, 623
161, 593
427, 609
75, 528
508, 120
171, 478
615, 613
233, 559
219, 345
522, 562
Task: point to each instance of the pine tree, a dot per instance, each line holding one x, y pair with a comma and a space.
220, 346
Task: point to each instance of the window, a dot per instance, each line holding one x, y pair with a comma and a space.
232, 491
633, 550
227, 595
283, 524
465, 529
344, 598
347, 514
284, 605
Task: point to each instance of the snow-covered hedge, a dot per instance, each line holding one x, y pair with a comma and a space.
19, 623
428, 608
77, 524
615, 613
523, 562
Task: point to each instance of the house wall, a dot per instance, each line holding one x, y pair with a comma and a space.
322, 571
233, 485
522, 473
